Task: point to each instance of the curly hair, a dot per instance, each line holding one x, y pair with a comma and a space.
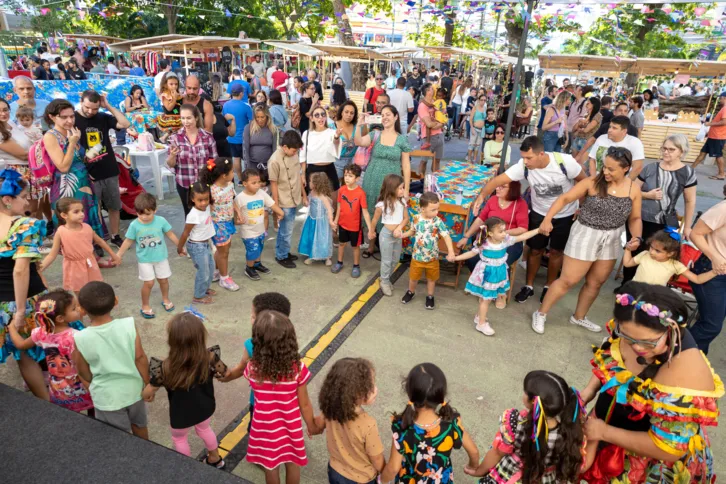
320, 183
348, 384
276, 356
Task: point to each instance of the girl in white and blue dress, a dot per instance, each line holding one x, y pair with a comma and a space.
490, 278
316, 238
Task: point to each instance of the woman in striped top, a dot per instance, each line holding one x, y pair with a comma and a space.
279, 380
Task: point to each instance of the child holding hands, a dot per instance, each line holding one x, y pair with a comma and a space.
392, 212
316, 238
351, 203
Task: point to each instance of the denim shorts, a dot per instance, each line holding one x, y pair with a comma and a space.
254, 247
223, 232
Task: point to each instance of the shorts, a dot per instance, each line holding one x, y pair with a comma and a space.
714, 147
148, 271
223, 232
355, 238
589, 244
475, 140
418, 269
557, 240
235, 150
254, 247
124, 418
437, 145
107, 192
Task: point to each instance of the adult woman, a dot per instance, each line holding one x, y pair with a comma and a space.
493, 148
458, 99
611, 200
390, 154
554, 119
649, 101
171, 102
346, 120
585, 128
277, 110
189, 149
259, 138
523, 116
307, 103
261, 97
320, 150
657, 393
477, 117
709, 235
338, 94
215, 89
71, 176
62, 73
662, 185
136, 100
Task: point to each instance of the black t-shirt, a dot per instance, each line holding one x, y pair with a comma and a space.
95, 131
77, 75
416, 82
219, 131
446, 83
305, 104
43, 75
603, 129
528, 77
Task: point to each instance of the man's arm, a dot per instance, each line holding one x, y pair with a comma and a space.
489, 188
208, 116
121, 121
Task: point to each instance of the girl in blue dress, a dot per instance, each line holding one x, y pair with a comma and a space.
316, 238
490, 278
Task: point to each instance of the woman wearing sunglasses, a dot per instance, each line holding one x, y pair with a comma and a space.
612, 199
657, 393
493, 149
477, 118
320, 149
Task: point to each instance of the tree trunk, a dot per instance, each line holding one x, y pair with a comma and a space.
449, 29
171, 17
514, 37
346, 36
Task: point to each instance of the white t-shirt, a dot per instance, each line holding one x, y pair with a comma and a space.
17, 134
460, 99
602, 144
319, 147
203, 227
402, 101
112, 69
270, 70
157, 80
391, 218
549, 183
253, 209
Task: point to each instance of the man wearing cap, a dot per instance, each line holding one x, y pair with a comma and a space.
716, 139
242, 112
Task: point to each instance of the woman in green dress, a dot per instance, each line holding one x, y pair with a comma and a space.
390, 154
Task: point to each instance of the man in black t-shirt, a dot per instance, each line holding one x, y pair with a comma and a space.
446, 82
528, 78
415, 80
74, 71
100, 158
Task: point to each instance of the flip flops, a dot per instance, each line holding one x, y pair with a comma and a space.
168, 307
147, 315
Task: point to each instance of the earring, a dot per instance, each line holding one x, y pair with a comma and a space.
7, 205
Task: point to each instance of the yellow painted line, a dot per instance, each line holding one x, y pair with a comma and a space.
233, 438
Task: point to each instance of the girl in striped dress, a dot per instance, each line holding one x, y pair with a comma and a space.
279, 380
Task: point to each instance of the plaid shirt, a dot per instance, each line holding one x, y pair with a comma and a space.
192, 157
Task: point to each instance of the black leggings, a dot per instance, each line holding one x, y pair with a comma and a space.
184, 195
649, 228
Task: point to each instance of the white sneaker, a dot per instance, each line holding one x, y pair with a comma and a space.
386, 289
216, 276
485, 328
538, 322
585, 323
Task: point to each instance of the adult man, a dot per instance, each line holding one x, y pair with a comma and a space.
637, 118
415, 80
701, 89
714, 144
295, 94
24, 88
43, 72
239, 82
617, 136
313, 77
242, 112
428, 122
111, 67
96, 67
270, 71
381, 103
191, 96
372, 94
74, 71
136, 70
253, 80
549, 175
620, 110
258, 67
164, 67
446, 82
528, 78
103, 169
279, 78
605, 111
402, 101
547, 99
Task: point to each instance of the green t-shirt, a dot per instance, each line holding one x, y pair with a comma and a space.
150, 240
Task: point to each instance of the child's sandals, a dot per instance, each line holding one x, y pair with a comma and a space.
147, 314
501, 302
168, 307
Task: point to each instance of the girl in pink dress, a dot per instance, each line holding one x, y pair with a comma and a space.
75, 239
279, 380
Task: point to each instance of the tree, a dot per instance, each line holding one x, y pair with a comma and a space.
540, 26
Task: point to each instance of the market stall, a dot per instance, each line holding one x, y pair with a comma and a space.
293, 49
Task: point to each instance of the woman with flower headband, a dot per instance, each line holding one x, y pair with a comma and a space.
657, 393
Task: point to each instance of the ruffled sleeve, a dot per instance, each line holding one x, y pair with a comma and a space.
24, 239
509, 424
155, 372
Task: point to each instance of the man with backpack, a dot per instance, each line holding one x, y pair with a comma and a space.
372, 94
549, 175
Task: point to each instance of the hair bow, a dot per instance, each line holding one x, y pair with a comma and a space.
210, 164
195, 312
673, 233
10, 186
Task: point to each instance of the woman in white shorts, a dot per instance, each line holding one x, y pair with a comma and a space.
611, 200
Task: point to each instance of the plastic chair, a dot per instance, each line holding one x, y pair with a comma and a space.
512, 274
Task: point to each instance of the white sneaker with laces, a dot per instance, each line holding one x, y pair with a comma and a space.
485, 329
538, 322
585, 323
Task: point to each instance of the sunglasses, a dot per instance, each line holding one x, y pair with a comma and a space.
499, 132
379, 78
632, 341
319, 115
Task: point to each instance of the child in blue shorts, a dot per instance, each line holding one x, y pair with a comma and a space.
251, 204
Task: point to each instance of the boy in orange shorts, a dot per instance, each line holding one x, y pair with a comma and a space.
427, 227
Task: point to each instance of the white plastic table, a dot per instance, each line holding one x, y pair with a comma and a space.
157, 159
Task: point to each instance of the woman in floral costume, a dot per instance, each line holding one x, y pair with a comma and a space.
657, 395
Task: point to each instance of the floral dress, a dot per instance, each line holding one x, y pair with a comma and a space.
675, 418
427, 452
385, 160
490, 277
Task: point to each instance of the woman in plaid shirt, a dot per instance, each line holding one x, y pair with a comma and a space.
189, 150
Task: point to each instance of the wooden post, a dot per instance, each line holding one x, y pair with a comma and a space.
186, 60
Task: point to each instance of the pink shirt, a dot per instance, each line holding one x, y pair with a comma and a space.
715, 218
425, 112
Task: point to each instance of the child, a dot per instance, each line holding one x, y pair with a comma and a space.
351, 202
75, 239
25, 116
57, 315
427, 227
543, 443
355, 448
110, 357
490, 125
424, 436
316, 236
490, 278
251, 203
148, 231
220, 177
660, 263
188, 377
391, 210
439, 108
279, 380
197, 234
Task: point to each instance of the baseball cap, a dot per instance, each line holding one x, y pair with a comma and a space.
237, 89
723, 94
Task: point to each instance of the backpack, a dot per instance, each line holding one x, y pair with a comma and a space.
296, 117
41, 166
527, 193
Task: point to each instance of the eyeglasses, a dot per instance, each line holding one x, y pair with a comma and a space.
319, 115
668, 150
499, 132
642, 343
379, 78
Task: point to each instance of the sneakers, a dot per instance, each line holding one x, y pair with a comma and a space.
407, 297
485, 328
219, 464
585, 323
287, 262
355, 273
260, 268
337, 267
98, 251
116, 240
216, 276
525, 293
544, 292
228, 283
292, 257
429, 302
386, 288
538, 322
252, 273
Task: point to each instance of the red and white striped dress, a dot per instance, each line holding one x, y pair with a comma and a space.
276, 433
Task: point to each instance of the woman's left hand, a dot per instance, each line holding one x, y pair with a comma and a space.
634, 243
595, 428
686, 233
19, 319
